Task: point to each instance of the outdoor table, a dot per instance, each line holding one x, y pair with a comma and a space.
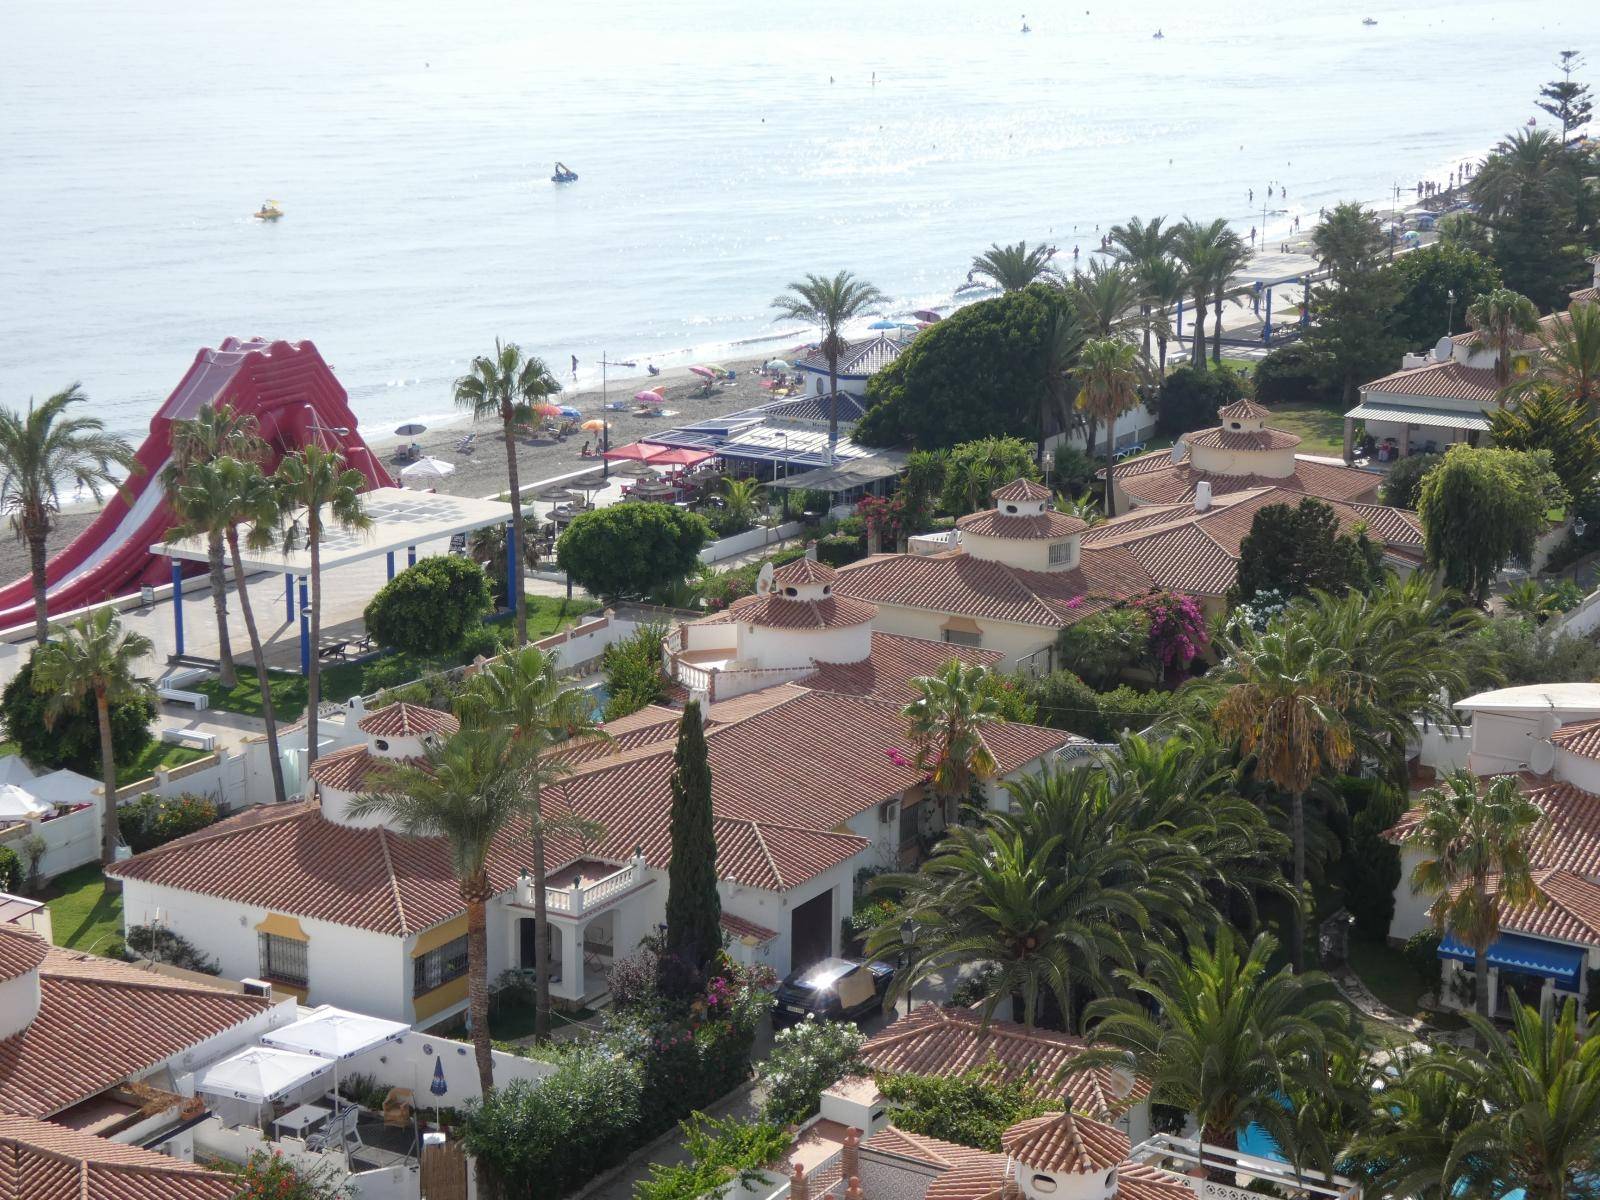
299, 1120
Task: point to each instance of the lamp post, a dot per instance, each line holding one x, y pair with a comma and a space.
908, 939
1450, 311
605, 423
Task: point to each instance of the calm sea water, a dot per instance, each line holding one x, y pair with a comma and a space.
724, 148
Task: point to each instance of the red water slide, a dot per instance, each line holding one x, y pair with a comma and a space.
293, 396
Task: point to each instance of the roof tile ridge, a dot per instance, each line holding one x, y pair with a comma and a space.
394, 883
755, 832
758, 822
292, 812
153, 982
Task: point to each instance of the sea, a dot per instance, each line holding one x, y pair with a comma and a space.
723, 149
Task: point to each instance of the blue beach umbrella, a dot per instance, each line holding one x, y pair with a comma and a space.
568, 411
438, 1087
884, 325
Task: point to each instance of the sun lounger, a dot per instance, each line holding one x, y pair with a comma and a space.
197, 738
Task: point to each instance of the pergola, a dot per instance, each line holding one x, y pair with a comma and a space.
400, 520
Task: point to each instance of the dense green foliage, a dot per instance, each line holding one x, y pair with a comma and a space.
720, 1153
1105, 645
268, 1175
74, 741
1353, 330
12, 874
153, 820
1295, 373
694, 911
1371, 864
634, 672
1423, 311
1296, 550
806, 1060
1481, 508
1064, 701
1402, 486
1190, 397
970, 1109
428, 609
631, 549
1534, 197
1546, 419
1528, 653
973, 470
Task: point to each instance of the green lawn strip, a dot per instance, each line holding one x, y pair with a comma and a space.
7, 748
1321, 430
154, 756
512, 1022
1388, 975
82, 915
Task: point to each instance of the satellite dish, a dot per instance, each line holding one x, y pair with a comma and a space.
1179, 449
1444, 349
1541, 758
764, 579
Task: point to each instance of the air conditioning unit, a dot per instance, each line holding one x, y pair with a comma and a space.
256, 987
888, 811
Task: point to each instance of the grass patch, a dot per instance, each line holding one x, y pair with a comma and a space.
512, 1022
8, 748
153, 757
548, 614
1321, 429
1389, 975
82, 915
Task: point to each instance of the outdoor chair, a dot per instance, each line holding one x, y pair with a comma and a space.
398, 1106
338, 1132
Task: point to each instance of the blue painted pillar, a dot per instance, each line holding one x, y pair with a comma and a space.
511, 567
411, 556
177, 604
288, 597
391, 564
305, 629
1305, 300
1180, 319
1266, 326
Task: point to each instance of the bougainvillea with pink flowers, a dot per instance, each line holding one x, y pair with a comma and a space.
1177, 631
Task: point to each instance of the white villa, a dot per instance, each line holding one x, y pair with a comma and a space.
1548, 735
858, 362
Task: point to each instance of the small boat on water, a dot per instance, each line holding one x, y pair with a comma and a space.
564, 174
1158, 35
1368, 21
269, 211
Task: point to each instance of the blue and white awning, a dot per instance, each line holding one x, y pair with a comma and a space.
1531, 956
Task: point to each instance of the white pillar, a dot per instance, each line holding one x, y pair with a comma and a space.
1494, 991
572, 961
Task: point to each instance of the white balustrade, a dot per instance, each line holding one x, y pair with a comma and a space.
578, 897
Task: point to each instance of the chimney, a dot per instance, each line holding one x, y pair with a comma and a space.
849, 1158
799, 1189
1202, 495
853, 1191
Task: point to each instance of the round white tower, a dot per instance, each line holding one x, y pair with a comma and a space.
395, 733
1060, 1156
1243, 445
1023, 531
22, 952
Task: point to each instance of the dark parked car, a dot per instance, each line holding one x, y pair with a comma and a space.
835, 989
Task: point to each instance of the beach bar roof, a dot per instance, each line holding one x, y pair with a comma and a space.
657, 455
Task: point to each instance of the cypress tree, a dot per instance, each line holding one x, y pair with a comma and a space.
694, 912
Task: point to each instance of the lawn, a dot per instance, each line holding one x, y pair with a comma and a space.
82, 915
1386, 971
511, 1022
1321, 429
156, 755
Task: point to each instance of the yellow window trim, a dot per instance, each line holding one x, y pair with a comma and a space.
279, 925
440, 998
440, 935
962, 625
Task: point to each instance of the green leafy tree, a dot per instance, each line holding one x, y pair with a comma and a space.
1104, 646
946, 723
1222, 1038
973, 1108
634, 674
973, 470
1063, 342
1299, 549
1354, 310
807, 1059
1062, 700
315, 488
487, 548
1108, 383
1551, 420
73, 739
1296, 373
1190, 397
978, 373
214, 433
829, 304
1528, 654
1470, 837
720, 1153
94, 660
1402, 486
1481, 508
504, 386
40, 450
1566, 99
631, 550
694, 911
1504, 318
1424, 310
1145, 248
1012, 268
1531, 196
268, 1175
427, 609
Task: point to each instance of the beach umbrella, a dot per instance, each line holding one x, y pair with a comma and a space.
411, 429
649, 396
703, 372
717, 368
547, 410
926, 314
568, 411
18, 804
777, 364
427, 471
884, 325
595, 426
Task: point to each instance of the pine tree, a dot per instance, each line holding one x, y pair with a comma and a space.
1565, 99
694, 912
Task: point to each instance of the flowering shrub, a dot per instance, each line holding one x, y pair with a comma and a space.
885, 516
1177, 631
807, 1059
267, 1175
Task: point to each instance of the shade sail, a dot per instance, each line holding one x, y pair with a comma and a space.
1533, 956
1429, 418
427, 469
335, 1033
260, 1074
19, 804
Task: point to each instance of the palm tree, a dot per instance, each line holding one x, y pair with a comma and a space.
1164, 283
741, 498
95, 656
1106, 298
215, 432
522, 694
220, 496
1536, 1105
1503, 318
505, 385
1108, 386
1476, 846
1063, 339
829, 304
1348, 240
39, 451
467, 790
1210, 254
1282, 696
1221, 1038
315, 487
1569, 355
1417, 1119
1086, 508
946, 723
1231, 257
1012, 268
1146, 249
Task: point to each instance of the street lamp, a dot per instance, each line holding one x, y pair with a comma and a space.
908, 939
1450, 312
605, 424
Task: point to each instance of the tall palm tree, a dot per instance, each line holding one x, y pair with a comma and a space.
1221, 1038
1476, 857
1108, 386
1210, 254
1283, 696
504, 385
1164, 284
221, 496
1231, 257
94, 657
522, 694
828, 304
1503, 318
1417, 1119
1537, 1105
468, 790
1106, 297
39, 451
1012, 268
946, 722
316, 489
1146, 249
214, 432
1348, 240
1063, 339
1569, 355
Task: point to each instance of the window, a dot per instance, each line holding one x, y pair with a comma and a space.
1044, 1183
1060, 552
961, 637
283, 959
438, 967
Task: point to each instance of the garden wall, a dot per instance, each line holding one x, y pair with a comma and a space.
71, 840
411, 1062
750, 539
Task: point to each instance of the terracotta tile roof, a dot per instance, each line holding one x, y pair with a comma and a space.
1242, 439
993, 523
1243, 409
1586, 295
945, 1042
893, 663
1022, 489
804, 570
1570, 837
857, 358
740, 928
1155, 479
773, 611
1446, 380
1523, 341
937, 1152
42, 1161
1139, 1181
102, 1022
1581, 738
347, 770
408, 720
21, 951
1571, 910
1063, 1142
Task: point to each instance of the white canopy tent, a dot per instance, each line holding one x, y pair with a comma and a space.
335, 1033
18, 803
261, 1074
426, 472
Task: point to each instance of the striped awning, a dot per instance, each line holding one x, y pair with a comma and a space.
1531, 956
1432, 418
